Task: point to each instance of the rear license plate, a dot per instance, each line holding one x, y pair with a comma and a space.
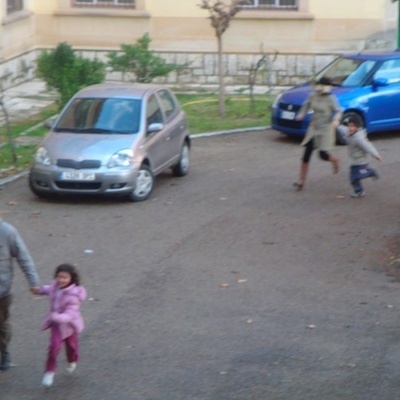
288, 114
77, 176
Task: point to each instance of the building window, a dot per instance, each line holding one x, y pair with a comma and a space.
14, 6
105, 3
274, 4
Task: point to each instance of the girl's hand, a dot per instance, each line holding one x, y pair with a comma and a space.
335, 123
34, 289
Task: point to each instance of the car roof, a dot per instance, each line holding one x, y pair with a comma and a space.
131, 90
374, 55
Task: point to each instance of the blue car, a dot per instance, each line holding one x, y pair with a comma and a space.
367, 86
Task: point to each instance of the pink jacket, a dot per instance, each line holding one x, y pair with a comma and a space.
64, 308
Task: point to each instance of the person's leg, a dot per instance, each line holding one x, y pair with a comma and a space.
355, 179
72, 351
5, 332
371, 172
53, 351
304, 166
326, 156
54, 348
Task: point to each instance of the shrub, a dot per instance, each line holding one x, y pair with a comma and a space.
66, 72
139, 60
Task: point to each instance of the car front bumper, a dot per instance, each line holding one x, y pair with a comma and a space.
50, 180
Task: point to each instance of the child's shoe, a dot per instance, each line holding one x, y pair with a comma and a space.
71, 367
48, 378
358, 194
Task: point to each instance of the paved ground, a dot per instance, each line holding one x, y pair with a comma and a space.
225, 285
27, 98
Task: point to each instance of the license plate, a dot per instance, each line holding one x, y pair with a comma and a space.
77, 176
288, 114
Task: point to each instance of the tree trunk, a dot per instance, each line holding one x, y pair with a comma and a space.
221, 78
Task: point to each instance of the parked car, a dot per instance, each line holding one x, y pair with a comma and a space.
367, 86
112, 139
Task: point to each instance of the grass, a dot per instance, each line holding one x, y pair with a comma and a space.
202, 114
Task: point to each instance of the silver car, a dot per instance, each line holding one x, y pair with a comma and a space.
112, 139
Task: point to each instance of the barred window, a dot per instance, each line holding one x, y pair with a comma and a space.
14, 6
106, 3
274, 4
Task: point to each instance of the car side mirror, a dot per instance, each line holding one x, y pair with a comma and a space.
155, 127
379, 82
49, 123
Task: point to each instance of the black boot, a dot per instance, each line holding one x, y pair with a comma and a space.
5, 361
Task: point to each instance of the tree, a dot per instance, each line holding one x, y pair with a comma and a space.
62, 70
139, 60
221, 13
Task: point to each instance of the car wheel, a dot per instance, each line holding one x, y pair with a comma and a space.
345, 118
182, 168
144, 184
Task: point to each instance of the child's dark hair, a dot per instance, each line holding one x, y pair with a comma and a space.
70, 269
353, 120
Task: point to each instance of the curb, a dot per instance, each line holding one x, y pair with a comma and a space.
200, 135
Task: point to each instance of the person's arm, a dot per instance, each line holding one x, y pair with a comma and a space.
337, 112
70, 312
304, 109
20, 252
367, 146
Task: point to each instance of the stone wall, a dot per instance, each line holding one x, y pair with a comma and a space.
198, 70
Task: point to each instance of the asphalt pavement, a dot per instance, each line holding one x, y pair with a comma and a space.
225, 285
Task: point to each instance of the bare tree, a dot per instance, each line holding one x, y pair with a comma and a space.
221, 13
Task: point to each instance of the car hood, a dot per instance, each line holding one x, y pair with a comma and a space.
299, 94
86, 146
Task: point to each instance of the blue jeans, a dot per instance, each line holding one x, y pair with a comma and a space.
359, 172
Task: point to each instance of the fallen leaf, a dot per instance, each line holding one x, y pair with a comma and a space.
12, 203
241, 280
249, 321
223, 285
311, 326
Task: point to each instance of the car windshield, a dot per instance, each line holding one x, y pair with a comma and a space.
101, 115
347, 72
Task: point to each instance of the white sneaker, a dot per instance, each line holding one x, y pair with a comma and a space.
71, 367
48, 378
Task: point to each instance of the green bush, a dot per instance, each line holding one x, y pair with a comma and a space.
66, 72
139, 60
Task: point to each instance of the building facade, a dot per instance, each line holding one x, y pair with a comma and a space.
295, 34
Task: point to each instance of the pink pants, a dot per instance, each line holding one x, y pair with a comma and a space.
71, 348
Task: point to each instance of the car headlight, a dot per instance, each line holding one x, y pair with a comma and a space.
122, 158
276, 101
42, 156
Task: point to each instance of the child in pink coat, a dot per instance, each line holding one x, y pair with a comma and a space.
64, 319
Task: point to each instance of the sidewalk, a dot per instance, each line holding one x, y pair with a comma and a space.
26, 99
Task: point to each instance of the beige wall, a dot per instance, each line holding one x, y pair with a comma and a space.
181, 27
